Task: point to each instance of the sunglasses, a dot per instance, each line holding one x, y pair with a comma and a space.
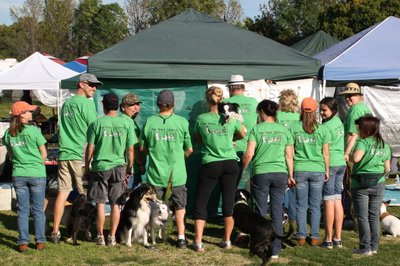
91, 84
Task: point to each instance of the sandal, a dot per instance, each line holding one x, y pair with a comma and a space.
198, 247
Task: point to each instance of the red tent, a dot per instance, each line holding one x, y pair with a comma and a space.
54, 59
84, 59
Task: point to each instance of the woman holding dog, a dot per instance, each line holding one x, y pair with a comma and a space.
219, 165
332, 191
26, 147
371, 158
311, 169
271, 146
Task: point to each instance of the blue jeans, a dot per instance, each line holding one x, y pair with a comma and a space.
367, 204
334, 186
272, 185
289, 201
308, 195
30, 195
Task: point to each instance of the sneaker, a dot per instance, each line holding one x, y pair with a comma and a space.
225, 244
181, 243
55, 237
111, 241
100, 240
337, 243
40, 246
301, 241
315, 242
362, 252
198, 247
327, 245
374, 252
275, 257
22, 248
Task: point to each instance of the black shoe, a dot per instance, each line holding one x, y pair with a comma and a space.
181, 243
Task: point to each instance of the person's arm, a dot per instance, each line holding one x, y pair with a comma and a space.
289, 150
43, 152
357, 156
325, 153
387, 167
88, 157
140, 159
130, 157
188, 152
9, 153
240, 134
248, 155
350, 141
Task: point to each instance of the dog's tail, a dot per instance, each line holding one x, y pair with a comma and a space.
285, 236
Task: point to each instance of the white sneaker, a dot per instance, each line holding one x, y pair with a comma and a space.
111, 241
362, 252
100, 240
275, 257
225, 244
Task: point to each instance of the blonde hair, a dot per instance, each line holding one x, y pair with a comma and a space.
214, 95
288, 101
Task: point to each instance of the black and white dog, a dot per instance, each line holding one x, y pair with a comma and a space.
158, 221
390, 223
260, 229
135, 216
230, 110
82, 217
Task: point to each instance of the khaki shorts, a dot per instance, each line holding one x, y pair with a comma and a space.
178, 196
70, 174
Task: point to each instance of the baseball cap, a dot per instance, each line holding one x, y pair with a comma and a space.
165, 97
351, 88
130, 99
89, 78
110, 101
20, 107
309, 105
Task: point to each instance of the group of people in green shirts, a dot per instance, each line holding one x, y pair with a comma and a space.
289, 152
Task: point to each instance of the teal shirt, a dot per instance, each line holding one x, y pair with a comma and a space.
166, 138
111, 135
336, 143
77, 113
248, 109
271, 141
26, 159
308, 148
373, 160
217, 137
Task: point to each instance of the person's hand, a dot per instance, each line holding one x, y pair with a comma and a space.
347, 158
326, 177
291, 182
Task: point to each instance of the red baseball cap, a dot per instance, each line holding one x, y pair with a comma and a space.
309, 105
20, 107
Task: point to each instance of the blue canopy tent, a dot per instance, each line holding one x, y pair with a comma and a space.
76, 66
369, 57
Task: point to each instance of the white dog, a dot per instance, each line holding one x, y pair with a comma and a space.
158, 220
390, 223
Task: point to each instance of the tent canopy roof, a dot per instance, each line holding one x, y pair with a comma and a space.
36, 72
315, 43
370, 55
195, 46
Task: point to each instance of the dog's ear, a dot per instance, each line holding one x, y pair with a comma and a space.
242, 195
387, 202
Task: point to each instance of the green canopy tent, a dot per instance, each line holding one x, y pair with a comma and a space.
182, 54
315, 43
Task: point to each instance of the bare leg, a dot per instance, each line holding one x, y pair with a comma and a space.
338, 219
198, 230
114, 219
180, 221
329, 216
101, 218
229, 223
59, 205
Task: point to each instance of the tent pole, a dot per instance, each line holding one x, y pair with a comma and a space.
323, 88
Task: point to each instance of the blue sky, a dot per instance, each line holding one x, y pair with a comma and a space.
250, 7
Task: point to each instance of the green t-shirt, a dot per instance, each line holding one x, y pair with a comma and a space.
356, 111
373, 160
167, 138
136, 129
248, 109
271, 140
287, 118
217, 137
111, 135
76, 115
336, 144
308, 148
26, 160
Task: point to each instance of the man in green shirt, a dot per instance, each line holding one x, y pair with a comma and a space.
130, 107
354, 99
77, 113
247, 108
110, 140
166, 139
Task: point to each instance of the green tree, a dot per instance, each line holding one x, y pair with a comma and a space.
138, 14
55, 30
7, 47
233, 12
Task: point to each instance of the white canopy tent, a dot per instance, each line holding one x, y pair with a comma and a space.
41, 75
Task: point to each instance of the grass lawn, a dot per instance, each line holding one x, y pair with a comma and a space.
166, 254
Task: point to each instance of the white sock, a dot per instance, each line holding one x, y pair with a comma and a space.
181, 236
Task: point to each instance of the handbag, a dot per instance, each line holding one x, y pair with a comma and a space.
367, 180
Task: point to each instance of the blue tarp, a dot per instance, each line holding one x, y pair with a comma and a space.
372, 54
76, 66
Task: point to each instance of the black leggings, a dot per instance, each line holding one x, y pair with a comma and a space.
224, 172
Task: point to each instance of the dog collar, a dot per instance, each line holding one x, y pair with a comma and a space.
384, 215
241, 202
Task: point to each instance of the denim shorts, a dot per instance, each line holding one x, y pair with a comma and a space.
334, 186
